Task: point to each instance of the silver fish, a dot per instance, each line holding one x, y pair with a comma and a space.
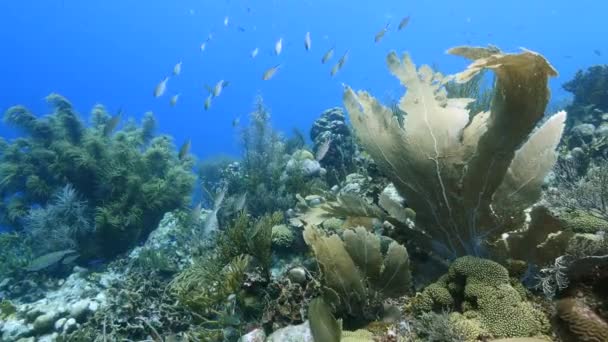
255, 52
208, 101
268, 74
403, 23
212, 224
161, 87
278, 46
177, 69
378, 37
174, 99
307, 41
327, 56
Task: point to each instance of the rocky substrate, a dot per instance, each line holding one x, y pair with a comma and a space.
60, 311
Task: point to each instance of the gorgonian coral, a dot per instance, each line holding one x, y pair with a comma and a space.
469, 180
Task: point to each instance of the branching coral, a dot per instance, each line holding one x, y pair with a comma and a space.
468, 180
128, 178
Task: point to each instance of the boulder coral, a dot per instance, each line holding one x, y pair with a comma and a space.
480, 292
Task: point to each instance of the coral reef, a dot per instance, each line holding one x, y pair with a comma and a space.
334, 144
469, 181
128, 178
480, 289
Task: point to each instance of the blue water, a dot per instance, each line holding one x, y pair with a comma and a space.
115, 52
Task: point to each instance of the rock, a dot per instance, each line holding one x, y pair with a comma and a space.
292, 333
60, 323
44, 323
80, 309
314, 200
70, 325
14, 329
5, 283
311, 168
257, 335
584, 132
297, 275
93, 306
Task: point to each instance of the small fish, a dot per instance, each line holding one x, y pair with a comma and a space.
403, 23
378, 37
597, 52
240, 28
112, 124
177, 69
307, 41
240, 202
161, 87
208, 101
340, 64
203, 46
323, 149
226, 21
255, 52
183, 151
236, 121
219, 86
211, 224
278, 46
174, 99
195, 213
327, 56
268, 74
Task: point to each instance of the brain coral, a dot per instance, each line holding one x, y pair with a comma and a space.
481, 291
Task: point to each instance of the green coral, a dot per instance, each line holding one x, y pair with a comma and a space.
128, 177
6, 309
480, 289
583, 222
360, 335
282, 236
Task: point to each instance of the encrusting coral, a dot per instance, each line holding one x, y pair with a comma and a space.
468, 180
481, 293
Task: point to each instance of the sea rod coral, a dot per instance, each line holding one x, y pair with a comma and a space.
469, 180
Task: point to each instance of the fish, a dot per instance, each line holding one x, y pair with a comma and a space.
212, 224
226, 21
112, 124
177, 69
403, 23
183, 151
174, 99
268, 74
597, 52
203, 46
240, 28
340, 64
240, 202
208, 101
236, 121
278, 46
217, 89
378, 37
327, 56
195, 213
161, 87
323, 149
307, 41
254, 52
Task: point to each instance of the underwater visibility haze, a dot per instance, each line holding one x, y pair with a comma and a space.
282, 170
